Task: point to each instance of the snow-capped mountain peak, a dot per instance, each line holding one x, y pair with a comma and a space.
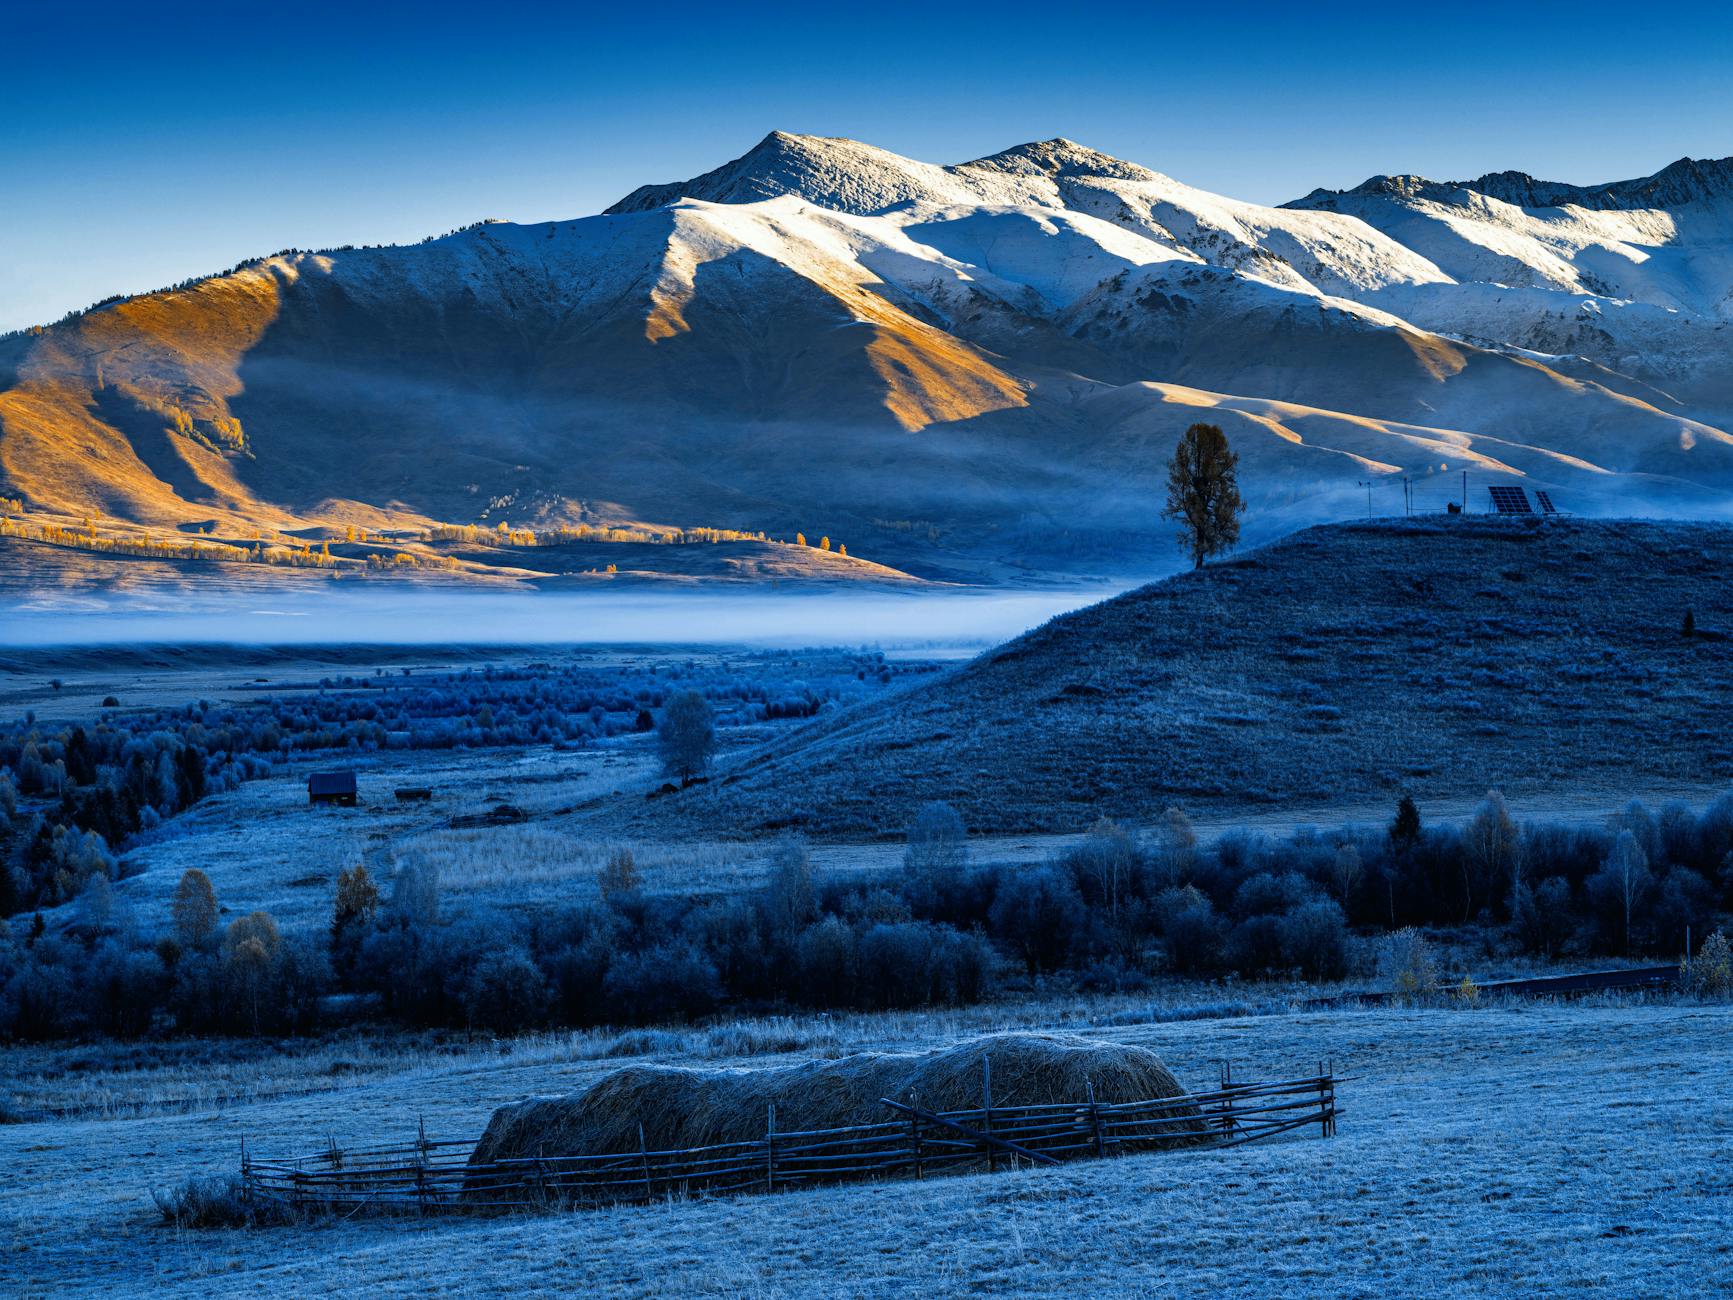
1060, 157
1686, 181
831, 172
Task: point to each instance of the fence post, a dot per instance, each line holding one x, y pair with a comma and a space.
421, 1164
246, 1178
1094, 1118
1226, 1122
987, 1105
915, 1133
770, 1150
644, 1157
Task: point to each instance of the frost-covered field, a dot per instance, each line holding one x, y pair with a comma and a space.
1520, 1150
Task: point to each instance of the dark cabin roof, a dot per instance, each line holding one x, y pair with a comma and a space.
331, 783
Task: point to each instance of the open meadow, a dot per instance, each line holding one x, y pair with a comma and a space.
1499, 1150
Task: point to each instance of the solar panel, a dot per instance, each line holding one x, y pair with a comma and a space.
1544, 501
1509, 501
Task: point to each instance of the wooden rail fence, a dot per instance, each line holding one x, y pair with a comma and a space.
429, 1176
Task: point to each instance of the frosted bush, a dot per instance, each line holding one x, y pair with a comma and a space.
1711, 974
1407, 964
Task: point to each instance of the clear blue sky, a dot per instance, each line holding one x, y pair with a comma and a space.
141, 144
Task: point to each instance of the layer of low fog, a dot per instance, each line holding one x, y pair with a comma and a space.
396, 615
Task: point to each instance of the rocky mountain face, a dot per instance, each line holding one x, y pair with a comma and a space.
970, 372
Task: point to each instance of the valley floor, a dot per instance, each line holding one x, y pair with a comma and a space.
1504, 1150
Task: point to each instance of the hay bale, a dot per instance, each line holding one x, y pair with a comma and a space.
681, 1108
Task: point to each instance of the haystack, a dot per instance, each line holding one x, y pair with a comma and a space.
681, 1108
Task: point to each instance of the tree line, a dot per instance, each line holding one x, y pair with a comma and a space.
1117, 911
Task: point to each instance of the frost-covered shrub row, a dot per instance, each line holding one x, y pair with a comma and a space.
1115, 911
101, 975
565, 703
637, 959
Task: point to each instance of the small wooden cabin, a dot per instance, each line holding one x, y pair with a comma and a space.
332, 787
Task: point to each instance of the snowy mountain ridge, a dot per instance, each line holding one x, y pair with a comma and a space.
1634, 276
966, 371
1688, 180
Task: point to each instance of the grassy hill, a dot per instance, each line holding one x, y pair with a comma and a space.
1348, 663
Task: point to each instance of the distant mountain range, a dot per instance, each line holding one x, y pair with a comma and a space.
968, 373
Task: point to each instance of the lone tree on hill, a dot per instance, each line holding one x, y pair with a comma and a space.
1203, 492
687, 735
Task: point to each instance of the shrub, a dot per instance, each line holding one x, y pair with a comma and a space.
352, 911
673, 981
1266, 895
826, 962
936, 856
1107, 867
215, 1201
1619, 890
1175, 855
1491, 854
1192, 935
1255, 945
415, 894
790, 896
1712, 970
1314, 940
1541, 919
505, 993
1038, 915
1407, 964
619, 877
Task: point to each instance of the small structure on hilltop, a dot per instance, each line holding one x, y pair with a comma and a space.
1509, 501
1513, 500
332, 787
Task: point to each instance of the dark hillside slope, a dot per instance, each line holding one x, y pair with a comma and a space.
1347, 663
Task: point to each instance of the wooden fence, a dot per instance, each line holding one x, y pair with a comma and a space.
429, 1176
